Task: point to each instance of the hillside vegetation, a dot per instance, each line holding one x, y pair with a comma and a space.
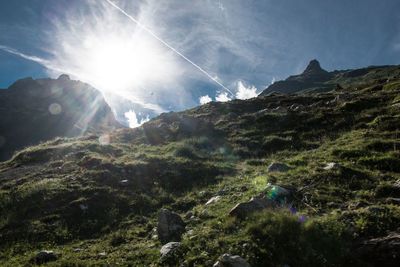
95, 200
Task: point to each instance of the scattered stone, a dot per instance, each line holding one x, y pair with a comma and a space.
213, 200
278, 167
332, 166
205, 214
171, 253
189, 215
44, 256
83, 207
393, 201
102, 254
124, 182
280, 109
228, 260
77, 250
222, 192
277, 193
244, 209
296, 107
170, 226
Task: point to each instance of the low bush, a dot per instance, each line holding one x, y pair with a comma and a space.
280, 238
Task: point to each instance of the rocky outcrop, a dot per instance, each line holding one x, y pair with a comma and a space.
32, 111
278, 167
171, 253
244, 209
383, 251
228, 260
312, 77
170, 226
273, 196
43, 257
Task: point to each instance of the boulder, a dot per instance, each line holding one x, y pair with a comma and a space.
44, 256
278, 193
171, 253
228, 260
244, 209
170, 226
278, 167
382, 251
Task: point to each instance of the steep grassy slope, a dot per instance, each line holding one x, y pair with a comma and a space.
82, 197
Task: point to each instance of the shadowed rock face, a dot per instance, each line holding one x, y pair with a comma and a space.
314, 69
32, 111
312, 77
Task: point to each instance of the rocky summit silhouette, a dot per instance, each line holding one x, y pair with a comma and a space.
32, 111
313, 78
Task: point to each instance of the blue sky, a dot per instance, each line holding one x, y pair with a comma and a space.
253, 41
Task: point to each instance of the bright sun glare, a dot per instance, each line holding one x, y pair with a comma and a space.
119, 63
106, 50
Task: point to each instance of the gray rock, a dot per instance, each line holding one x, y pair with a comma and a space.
213, 200
188, 215
43, 257
382, 251
278, 167
171, 253
244, 209
332, 166
228, 260
277, 193
169, 248
124, 182
170, 226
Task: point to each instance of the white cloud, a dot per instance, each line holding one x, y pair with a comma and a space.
222, 97
133, 120
245, 92
205, 99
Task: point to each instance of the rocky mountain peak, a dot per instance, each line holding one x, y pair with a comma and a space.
313, 67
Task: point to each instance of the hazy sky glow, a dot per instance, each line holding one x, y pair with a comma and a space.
243, 45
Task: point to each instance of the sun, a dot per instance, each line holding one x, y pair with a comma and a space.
119, 63
106, 50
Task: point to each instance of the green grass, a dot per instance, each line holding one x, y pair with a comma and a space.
76, 193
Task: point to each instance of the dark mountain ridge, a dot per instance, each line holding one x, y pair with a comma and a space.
32, 111
316, 79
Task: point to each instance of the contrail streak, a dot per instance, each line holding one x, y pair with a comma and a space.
168, 45
43, 62
10, 50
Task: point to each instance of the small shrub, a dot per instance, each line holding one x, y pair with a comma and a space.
186, 151
282, 239
275, 143
117, 239
387, 190
385, 163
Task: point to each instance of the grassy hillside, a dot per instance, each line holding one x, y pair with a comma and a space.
94, 200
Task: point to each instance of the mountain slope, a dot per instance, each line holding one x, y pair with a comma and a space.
32, 111
316, 79
96, 199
